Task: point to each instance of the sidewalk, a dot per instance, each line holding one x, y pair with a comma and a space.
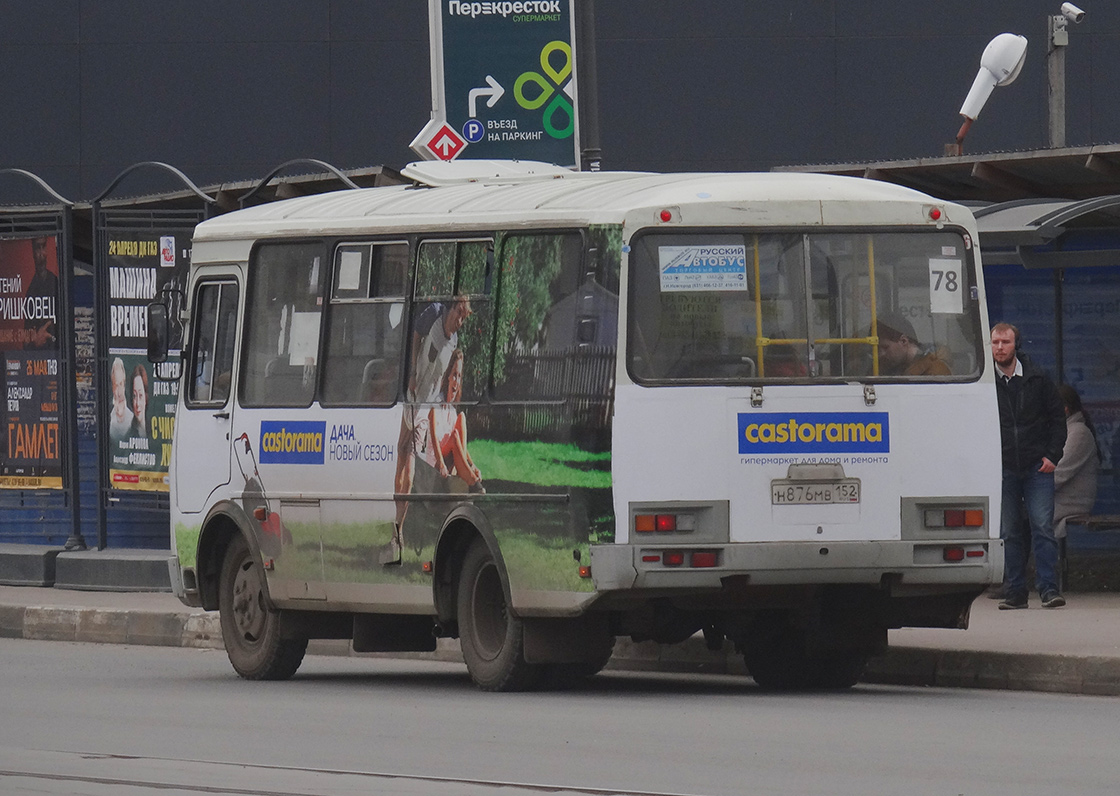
1075, 649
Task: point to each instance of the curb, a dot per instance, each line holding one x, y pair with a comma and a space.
110, 626
910, 666
1062, 674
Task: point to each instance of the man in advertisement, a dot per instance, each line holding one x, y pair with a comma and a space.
42, 298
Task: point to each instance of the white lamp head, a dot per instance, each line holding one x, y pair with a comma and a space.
999, 65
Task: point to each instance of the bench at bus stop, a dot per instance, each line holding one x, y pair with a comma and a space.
1090, 522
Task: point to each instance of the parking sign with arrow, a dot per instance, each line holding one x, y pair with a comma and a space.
503, 75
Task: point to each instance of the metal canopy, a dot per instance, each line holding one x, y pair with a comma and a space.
1047, 233
1069, 173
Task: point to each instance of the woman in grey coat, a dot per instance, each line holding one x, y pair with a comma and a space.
1075, 479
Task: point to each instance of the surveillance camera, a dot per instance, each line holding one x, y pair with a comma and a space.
1072, 12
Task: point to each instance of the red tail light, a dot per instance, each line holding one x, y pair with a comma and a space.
704, 558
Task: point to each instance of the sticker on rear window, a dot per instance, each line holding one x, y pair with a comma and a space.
703, 267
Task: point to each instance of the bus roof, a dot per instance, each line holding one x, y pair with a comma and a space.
492, 198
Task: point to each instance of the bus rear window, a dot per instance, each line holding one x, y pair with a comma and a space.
789, 306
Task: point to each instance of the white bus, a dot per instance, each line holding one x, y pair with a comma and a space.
538, 410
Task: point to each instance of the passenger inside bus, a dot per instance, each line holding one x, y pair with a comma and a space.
900, 353
783, 360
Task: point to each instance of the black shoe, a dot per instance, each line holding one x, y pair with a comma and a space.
996, 593
1053, 599
1013, 602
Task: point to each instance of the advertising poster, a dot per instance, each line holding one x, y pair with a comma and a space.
29, 299
143, 267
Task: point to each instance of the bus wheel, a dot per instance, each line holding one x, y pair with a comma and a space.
490, 636
778, 658
250, 629
561, 676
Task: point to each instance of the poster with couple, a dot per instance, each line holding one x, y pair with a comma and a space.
143, 267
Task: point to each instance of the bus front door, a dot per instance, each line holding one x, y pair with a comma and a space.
206, 412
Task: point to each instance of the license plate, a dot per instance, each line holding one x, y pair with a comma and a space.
813, 493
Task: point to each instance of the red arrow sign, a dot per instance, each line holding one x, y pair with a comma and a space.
446, 144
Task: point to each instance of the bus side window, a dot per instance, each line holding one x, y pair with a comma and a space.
452, 310
214, 330
282, 325
549, 311
365, 327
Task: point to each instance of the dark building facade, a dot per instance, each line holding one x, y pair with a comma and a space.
225, 91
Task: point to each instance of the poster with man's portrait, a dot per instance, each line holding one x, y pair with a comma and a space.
143, 267
29, 303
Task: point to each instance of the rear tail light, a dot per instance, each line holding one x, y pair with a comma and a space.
664, 523
694, 559
704, 558
954, 518
955, 554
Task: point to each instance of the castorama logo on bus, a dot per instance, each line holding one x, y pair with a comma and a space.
292, 441
814, 432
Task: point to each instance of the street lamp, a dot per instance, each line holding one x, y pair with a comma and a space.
1000, 64
1057, 41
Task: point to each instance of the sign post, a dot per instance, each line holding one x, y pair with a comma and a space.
503, 82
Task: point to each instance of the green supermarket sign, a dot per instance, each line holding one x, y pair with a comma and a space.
505, 82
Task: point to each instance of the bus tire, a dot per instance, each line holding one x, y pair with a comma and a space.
778, 658
250, 627
561, 676
490, 636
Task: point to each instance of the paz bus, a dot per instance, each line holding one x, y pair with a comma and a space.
537, 410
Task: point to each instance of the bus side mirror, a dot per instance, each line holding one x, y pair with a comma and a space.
159, 329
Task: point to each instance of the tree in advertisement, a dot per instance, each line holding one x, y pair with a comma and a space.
143, 267
29, 301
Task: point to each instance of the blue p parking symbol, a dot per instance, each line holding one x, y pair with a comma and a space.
473, 131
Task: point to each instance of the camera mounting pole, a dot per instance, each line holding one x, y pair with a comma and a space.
1057, 39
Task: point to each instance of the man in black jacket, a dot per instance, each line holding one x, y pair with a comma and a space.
1033, 430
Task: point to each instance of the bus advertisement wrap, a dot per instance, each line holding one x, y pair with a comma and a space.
814, 432
143, 267
29, 294
292, 441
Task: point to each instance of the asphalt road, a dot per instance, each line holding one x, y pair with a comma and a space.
111, 719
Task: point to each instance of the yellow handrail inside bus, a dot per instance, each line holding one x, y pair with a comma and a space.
758, 311
874, 339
